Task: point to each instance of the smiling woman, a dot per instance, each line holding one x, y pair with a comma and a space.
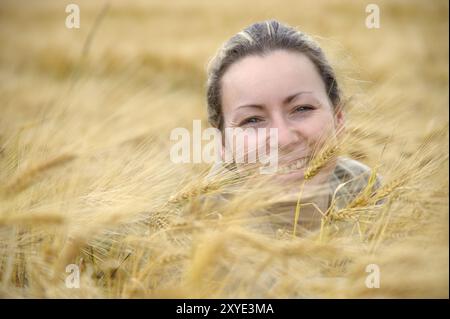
272, 76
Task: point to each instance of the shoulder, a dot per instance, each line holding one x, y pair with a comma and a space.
350, 178
350, 168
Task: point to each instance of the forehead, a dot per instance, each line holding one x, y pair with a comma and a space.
269, 78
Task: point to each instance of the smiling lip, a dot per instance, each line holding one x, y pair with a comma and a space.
293, 166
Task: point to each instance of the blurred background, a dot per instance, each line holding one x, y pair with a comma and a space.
149, 58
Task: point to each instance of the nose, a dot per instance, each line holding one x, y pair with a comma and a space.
288, 135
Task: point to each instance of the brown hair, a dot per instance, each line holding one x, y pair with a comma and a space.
259, 39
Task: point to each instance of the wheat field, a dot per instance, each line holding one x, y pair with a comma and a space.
86, 179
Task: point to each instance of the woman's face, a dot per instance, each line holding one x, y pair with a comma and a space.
281, 90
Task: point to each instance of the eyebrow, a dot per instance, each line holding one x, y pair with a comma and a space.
287, 100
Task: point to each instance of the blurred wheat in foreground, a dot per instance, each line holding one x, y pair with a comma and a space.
85, 175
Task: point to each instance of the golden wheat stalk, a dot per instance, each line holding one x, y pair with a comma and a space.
321, 161
317, 163
50, 218
24, 179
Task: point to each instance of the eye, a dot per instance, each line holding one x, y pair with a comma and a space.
303, 108
250, 120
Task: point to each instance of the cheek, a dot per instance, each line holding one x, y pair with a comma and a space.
250, 143
317, 127
241, 145
249, 147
